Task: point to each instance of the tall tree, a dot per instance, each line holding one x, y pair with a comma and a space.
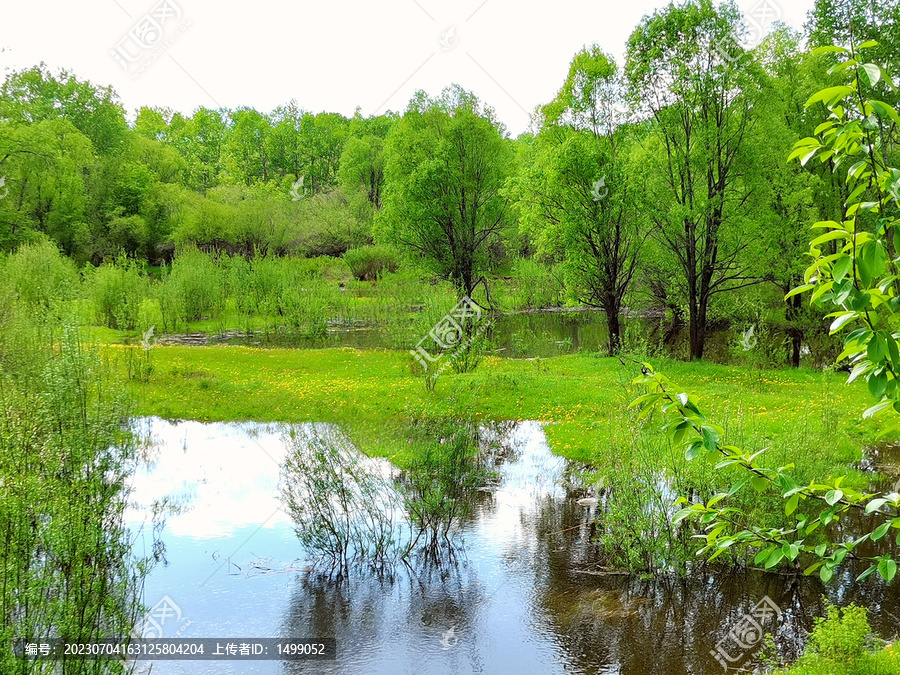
36, 94
248, 146
447, 161
690, 76
579, 191
785, 196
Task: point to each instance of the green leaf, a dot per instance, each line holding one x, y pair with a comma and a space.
833, 95
841, 267
877, 383
759, 483
875, 504
799, 290
841, 321
829, 48
828, 236
858, 370
791, 505
710, 438
882, 109
791, 551
774, 558
832, 497
865, 575
887, 568
877, 349
880, 531
876, 409
812, 568
873, 73
762, 555
826, 573
693, 450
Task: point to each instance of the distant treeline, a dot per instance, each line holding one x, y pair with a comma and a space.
663, 182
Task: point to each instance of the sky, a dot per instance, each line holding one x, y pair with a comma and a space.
331, 56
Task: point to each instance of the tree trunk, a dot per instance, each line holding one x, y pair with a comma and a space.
697, 332
794, 331
615, 332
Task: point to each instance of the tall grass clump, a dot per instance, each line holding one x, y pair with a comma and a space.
193, 289
368, 263
39, 275
534, 285
116, 291
66, 566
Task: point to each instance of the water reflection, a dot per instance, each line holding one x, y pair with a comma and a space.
523, 335
524, 595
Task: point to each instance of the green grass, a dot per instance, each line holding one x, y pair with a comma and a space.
883, 662
583, 398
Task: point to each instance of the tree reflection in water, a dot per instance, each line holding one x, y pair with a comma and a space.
526, 592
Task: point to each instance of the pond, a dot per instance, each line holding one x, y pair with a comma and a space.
541, 334
523, 594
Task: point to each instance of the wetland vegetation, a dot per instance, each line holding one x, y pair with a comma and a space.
547, 400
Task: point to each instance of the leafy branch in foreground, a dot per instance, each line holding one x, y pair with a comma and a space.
726, 526
855, 274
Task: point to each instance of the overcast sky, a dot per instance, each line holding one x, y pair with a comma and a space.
331, 55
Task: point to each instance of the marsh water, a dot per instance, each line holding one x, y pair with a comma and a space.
531, 334
522, 594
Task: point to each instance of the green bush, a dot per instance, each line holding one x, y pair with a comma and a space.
370, 262
842, 634
842, 643
67, 564
116, 291
38, 274
194, 289
535, 285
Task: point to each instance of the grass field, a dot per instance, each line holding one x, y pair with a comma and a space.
808, 417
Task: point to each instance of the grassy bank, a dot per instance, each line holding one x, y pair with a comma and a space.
583, 397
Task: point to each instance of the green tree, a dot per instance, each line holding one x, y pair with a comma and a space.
35, 94
579, 192
362, 169
688, 74
858, 282
43, 166
447, 161
248, 152
785, 196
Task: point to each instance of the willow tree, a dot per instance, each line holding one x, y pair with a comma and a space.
689, 76
577, 195
446, 161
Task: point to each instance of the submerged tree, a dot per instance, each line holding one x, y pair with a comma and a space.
691, 78
578, 193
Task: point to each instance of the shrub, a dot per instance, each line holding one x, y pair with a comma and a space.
116, 291
841, 643
370, 262
196, 287
38, 274
344, 511
841, 635
536, 285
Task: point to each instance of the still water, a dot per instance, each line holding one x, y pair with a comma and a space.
541, 334
522, 595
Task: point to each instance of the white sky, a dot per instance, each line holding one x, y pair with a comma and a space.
331, 55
